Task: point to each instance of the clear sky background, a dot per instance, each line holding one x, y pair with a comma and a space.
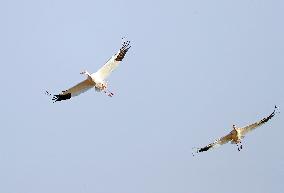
195, 68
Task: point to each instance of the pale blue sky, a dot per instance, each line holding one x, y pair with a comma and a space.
194, 69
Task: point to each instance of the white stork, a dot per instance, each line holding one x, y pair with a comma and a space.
95, 80
237, 134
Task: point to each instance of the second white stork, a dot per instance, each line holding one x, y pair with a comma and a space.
95, 80
237, 134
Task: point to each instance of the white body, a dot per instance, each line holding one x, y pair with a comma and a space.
237, 134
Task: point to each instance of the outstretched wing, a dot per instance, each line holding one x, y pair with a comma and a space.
216, 143
74, 91
253, 126
113, 62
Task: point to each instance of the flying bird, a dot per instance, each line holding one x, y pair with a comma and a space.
237, 134
95, 80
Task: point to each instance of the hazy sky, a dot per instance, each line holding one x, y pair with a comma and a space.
195, 68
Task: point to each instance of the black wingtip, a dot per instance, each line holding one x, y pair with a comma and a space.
206, 148
123, 50
276, 109
61, 97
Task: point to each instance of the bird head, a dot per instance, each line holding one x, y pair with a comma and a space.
85, 72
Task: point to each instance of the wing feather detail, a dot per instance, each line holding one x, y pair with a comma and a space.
74, 91
113, 62
257, 124
216, 143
